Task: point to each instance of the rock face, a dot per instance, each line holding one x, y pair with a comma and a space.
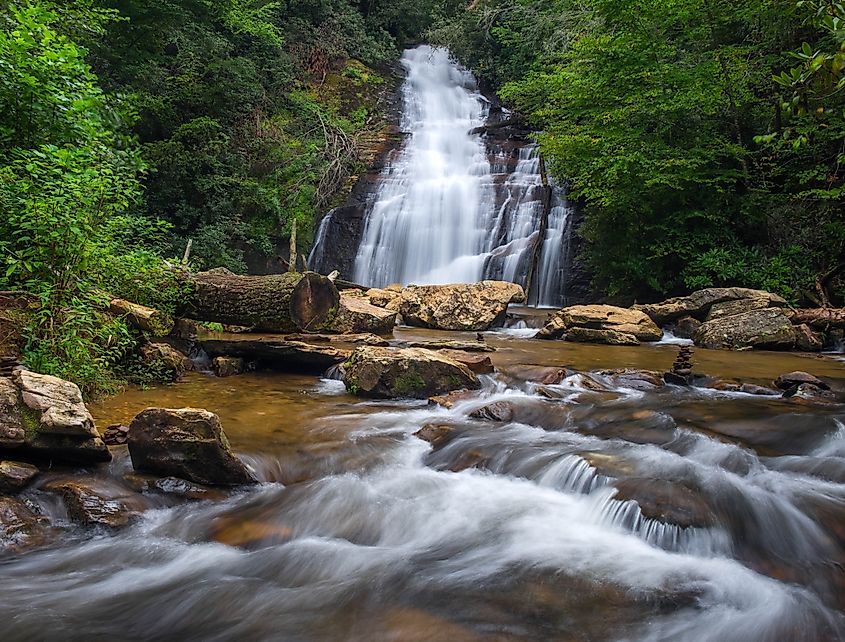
15, 476
768, 328
601, 324
404, 372
698, 304
471, 306
46, 417
187, 443
356, 315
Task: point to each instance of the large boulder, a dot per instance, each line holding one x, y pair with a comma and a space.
405, 372
766, 329
187, 443
20, 528
613, 324
45, 416
699, 303
462, 306
356, 315
15, 476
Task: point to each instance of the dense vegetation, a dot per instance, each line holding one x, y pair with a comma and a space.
128, 127
706, 137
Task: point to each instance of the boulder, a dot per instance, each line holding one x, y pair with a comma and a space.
736, 306
667, 502
356, 315
187, 443
807, 339
613, 321
768, 328
792, 379
15, 476
165, 360
20, 528
96, 504
55, 404
450, 399
391, 299
698, 303
228, 366
404, 372
463, 306
438, 435
502, 411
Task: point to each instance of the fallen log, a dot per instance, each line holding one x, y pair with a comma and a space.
818, 318
277, 354
290, 302
157, 323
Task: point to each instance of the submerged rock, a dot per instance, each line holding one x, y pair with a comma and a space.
667, 502
699, 303
438, 435
600, 324
404, 372
462, 306
187, 443
20, 528
768, 329
15, 476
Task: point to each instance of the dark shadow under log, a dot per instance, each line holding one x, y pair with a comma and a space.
290, 302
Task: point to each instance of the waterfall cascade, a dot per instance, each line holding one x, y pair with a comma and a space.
452, 206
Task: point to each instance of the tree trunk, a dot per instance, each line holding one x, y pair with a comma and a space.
147, 319
818, 318
289, 302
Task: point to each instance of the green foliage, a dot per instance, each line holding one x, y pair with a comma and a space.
656, 115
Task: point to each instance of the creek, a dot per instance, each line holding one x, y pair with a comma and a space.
592, 511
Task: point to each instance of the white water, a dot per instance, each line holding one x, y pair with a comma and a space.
448, 209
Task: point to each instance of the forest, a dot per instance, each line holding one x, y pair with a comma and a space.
704, 139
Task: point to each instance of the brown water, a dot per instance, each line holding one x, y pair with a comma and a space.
586, 514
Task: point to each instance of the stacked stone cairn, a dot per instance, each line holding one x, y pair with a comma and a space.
681, 372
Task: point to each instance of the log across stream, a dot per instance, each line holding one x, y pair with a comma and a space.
582, 509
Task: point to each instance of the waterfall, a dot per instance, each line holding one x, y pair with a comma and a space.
453, 206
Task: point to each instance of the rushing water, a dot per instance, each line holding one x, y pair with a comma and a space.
453, 206
593, 511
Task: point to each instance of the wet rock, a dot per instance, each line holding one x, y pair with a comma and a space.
463, 346
477, 362
116, 435
187, 443
608, 465
807, 339
277, 354
186, 329
497, 411
438, 435
174, 486
15, 476
752, 389
791, 379
470, 459
166, 359
611, 320
469, 306
636, 426
544, 375
633, 378
667, 502
685, 327
11, 418
251, 534
810, 393
450, 399
228, 366
356, 314
767, 329
20, 528
698, 303
96, 504
405, 372
361, 338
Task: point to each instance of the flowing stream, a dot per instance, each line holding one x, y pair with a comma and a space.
594, 508
453, 207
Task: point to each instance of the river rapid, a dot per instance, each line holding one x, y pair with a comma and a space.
586, 509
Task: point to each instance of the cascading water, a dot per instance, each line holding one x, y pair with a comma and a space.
453, 207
